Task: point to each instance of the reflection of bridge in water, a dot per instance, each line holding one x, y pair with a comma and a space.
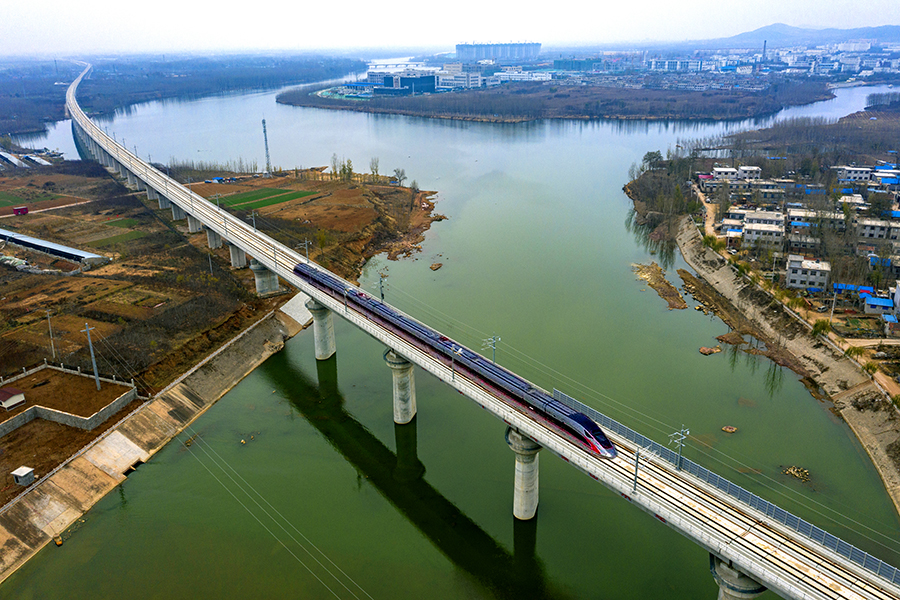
399, 479
753, 544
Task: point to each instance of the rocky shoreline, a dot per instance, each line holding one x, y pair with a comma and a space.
829, 375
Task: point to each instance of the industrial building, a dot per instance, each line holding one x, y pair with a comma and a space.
503, 53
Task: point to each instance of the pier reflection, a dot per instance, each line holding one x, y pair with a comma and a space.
399, 478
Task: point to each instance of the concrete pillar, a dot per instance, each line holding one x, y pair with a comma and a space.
404, 387
163, 202
215, 241
132, 180
194, 225
408, 467
525, 497
266, 280
238, 257
323, 328
733, 585
177, 213
152, 194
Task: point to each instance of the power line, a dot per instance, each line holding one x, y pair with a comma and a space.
281, 516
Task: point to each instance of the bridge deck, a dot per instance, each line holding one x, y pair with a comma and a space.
785, 561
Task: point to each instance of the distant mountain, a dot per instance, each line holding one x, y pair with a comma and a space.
780, 35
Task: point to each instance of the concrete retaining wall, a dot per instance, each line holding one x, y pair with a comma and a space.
58, 416
52, 504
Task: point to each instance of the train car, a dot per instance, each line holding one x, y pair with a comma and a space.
576, 424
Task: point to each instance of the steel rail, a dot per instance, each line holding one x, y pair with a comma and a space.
765, 550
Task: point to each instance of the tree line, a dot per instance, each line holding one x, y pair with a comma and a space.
530, 100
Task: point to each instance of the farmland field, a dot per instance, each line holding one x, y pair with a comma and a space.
124, 237
251, 196
274, 200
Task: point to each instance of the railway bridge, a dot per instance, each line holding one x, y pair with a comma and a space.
753, 545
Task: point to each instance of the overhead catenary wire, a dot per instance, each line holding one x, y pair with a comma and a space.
659, 425
607, 396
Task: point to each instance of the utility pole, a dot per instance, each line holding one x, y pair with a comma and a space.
678, 438
87, 329
453, 355
52, 346
266, 140
637, 462
833, 301
491, 343
305, 243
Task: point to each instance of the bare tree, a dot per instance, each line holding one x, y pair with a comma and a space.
336, 164
373, 167
400, 176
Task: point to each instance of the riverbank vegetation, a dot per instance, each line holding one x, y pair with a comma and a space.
804, 150
525, 101
32, 93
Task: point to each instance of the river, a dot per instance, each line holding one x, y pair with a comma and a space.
536, 250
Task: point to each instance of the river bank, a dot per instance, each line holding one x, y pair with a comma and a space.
829, 374
48, 510
516, 102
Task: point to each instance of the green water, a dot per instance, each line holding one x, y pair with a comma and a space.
536, 250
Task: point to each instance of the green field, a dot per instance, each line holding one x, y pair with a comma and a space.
7, 199
123, 237
11, 199
275, 200
123, 223
249, 196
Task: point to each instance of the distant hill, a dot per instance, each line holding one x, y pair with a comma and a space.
780, 35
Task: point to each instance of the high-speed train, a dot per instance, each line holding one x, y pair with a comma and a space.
577, 425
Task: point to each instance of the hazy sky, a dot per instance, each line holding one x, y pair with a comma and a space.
57, 27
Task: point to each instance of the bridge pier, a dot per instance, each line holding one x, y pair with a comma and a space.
214, 240
404, 387
194, 225
409, 468
266, 280
323, 329
238, 256
178, 213
525, 497
132, 180
163, 201
733, 584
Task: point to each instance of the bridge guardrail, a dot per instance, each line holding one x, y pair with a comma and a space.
804, 528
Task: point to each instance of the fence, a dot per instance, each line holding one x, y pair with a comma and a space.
804, 528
